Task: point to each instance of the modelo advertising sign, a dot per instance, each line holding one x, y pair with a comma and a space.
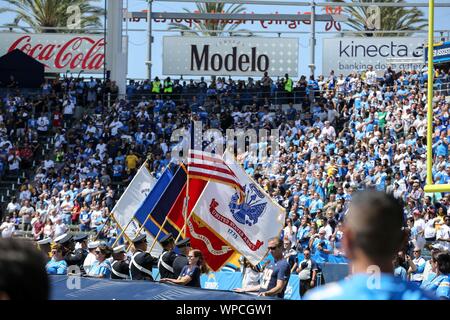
230, 56
345, 55
58, 52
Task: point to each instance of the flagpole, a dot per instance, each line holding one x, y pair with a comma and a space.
118, 201
122, 232
157, 235
140, 229
186, 204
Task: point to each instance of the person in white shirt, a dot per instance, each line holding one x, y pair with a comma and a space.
328, 131
428, 267
48, 164
7, 228
90, 258
42, 123
13, 206
290, 231
416, 265
443, 234
60, 227
430, 230
251, 274
371, 76
14, 163
419, 225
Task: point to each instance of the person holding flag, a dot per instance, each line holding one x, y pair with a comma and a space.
142, 262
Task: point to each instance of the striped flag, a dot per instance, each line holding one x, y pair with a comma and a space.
206, 165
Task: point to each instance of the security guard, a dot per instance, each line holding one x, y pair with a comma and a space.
44, 246
142, 262
181, 260
168, 86
156, 86
120, 268
288, 88
166, 259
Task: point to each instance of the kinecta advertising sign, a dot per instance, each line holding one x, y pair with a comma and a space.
441, 53
230, 56
59, 52
345, 55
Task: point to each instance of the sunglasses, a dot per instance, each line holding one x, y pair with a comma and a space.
191, 257
272, 248
98, 252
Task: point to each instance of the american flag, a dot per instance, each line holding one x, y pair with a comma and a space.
206, 165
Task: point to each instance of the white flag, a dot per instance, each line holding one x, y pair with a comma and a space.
130, 201
245, 225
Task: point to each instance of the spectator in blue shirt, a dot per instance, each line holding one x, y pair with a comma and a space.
101, 268
373, 236
302, 234
320, 246
399, 270
439, 283
57, 265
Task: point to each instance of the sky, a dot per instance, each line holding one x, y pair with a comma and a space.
138, 40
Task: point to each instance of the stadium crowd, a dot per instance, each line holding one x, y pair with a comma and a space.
338, 134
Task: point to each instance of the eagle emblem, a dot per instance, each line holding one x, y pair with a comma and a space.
251, 209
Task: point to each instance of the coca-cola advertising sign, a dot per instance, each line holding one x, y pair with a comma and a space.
59, 52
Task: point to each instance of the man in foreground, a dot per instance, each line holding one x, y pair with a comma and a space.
373, 235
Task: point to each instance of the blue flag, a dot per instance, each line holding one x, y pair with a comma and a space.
160, 201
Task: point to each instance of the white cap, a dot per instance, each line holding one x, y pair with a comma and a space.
93, 244
119, 249
45, 241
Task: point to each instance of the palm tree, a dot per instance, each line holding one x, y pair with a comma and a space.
204, 27
38, 14
392, 18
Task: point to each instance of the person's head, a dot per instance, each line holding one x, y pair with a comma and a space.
22, 271
57, 252
447, 220
286, 244
102, 252
195, 258
373, 229
119, 253
322, 233
276, 248
417, 252
307, 254
184, 246
440, 263
168, 243
140, 243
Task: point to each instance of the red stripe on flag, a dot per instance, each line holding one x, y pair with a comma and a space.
212, 168
176, 218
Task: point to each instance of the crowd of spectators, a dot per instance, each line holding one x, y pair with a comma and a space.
338, 134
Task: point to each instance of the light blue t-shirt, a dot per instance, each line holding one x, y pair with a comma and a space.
103, 268
367, 287
56, 267
439, 285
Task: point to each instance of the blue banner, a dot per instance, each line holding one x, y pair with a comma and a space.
160, 200
441, 53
